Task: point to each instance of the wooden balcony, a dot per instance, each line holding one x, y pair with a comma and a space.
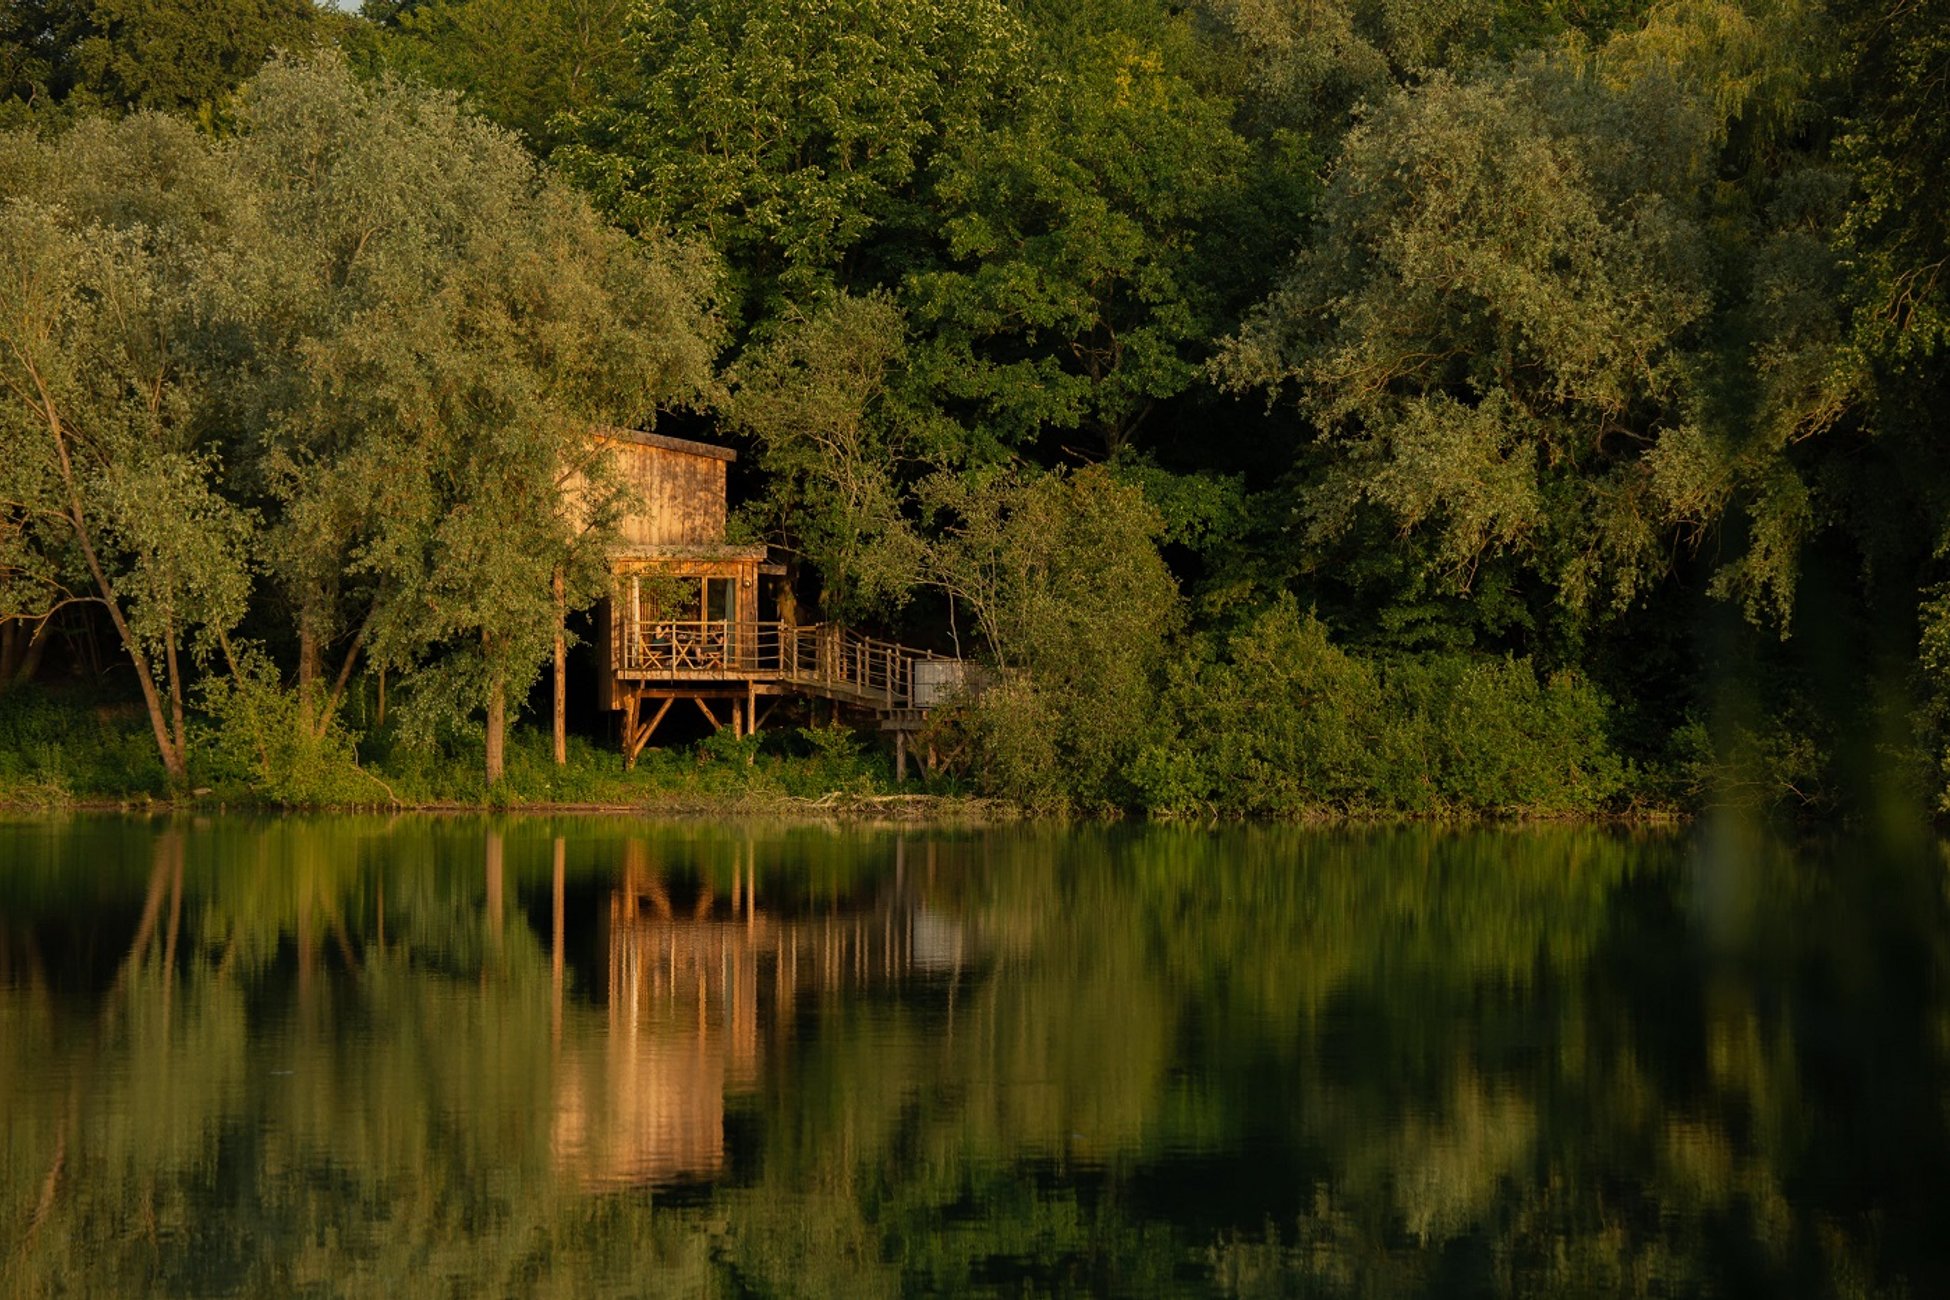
821, 659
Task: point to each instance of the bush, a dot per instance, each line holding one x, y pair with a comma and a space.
260, 737
1286, 724
1063, 575
75, 741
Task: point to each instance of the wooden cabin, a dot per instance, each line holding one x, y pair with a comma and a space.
683, 622
682, 594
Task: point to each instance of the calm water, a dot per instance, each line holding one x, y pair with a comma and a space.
567, 1058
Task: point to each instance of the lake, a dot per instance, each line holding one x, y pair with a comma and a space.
512, 1056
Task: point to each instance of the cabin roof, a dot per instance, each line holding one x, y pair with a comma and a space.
684, 446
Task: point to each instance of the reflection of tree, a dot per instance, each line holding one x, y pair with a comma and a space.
327, 1055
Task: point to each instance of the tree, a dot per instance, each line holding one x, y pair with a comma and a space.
1069, 294
1062, 577
433, 327
822, 401
1309, 63
111, 486
519, 64
789, 134
1493, 330
123, 55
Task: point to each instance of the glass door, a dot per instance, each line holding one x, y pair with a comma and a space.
720, 611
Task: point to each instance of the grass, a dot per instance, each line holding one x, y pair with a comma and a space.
74, 747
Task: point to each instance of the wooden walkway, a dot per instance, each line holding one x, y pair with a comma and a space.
665, 660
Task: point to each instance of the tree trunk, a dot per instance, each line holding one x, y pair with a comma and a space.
308, 669
11, 651
497, 728
30, 666
169, 747
561, 673
176, 696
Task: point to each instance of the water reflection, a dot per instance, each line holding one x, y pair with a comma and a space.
692, 976
532, 1057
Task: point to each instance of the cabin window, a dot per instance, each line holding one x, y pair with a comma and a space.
720, 599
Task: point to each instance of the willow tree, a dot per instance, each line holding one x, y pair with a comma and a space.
110, 488
1494, 330
834, 426
433, 325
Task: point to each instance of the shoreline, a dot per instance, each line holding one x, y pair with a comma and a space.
964, 809
842, 806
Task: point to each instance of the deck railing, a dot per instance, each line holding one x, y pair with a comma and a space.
821, 655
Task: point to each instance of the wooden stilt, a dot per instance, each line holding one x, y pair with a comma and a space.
631, 699
705, 709
900, 758
640, 739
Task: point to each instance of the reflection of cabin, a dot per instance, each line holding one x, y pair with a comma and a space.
699, 985
684, 622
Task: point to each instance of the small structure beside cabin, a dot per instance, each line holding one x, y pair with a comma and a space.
684, 620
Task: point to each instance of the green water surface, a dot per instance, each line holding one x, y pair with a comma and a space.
423, 1056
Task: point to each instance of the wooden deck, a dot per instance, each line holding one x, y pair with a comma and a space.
741, 662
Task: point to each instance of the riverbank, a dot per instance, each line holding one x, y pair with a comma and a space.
70, 751
931, 809
74, 752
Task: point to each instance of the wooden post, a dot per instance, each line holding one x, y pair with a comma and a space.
630, 704
634, 636
561, 672
900, 757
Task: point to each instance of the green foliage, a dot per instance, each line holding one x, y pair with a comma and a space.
519, 64
264, 739
1071, 293
1564, 322
1062, 575
62, 56
432, 327
1313, 62
113, 237
1287, 724
57, 746
1491, 332
786, 133
823, 403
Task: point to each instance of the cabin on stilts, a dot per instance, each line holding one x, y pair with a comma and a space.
688, 622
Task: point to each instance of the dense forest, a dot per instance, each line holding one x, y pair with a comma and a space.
1304, 405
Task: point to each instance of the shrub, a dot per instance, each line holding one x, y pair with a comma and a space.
1285, 723
54, 743
1062, 574
261, 736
